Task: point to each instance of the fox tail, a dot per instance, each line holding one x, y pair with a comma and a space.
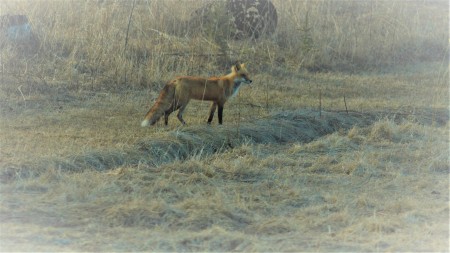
162, 104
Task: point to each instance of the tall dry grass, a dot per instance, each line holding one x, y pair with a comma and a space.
364, 34
96, 45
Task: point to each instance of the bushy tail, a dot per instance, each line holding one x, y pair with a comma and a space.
162, 104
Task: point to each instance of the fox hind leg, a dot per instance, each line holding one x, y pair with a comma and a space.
167, 113
173, 107
181, 111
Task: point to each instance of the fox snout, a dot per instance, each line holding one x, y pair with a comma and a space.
243, 80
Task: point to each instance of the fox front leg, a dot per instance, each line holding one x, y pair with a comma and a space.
220, 114
212, 110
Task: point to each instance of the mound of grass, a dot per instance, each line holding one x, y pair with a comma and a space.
378, 186
301, 126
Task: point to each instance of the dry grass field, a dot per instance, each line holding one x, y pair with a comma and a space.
340, 144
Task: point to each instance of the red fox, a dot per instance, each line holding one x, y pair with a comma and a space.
176, 94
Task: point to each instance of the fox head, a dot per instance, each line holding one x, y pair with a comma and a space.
240, 74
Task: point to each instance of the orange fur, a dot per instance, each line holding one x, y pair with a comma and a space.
177, 93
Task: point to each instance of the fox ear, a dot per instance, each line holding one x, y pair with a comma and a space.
243, 65
237, 66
